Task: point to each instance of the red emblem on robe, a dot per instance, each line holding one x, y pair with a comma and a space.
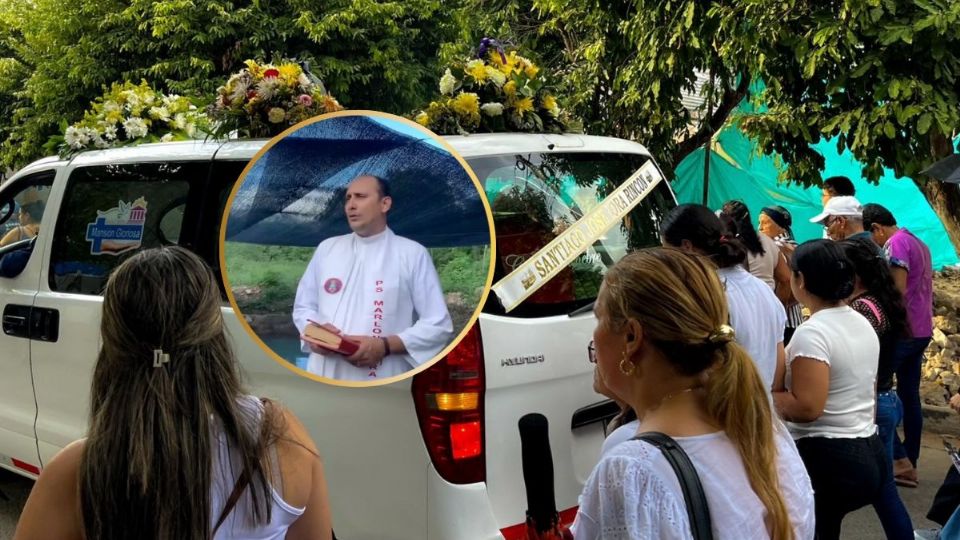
333, 285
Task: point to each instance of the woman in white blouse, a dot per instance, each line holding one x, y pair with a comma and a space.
662, 346
829, 395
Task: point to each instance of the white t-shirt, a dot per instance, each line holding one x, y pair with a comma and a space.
379, 285
844, 340
633, 493
757, 317
762, 266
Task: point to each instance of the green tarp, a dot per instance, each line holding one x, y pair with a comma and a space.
737, 172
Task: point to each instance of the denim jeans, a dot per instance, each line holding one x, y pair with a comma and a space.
908, 356
889, 414
888, 505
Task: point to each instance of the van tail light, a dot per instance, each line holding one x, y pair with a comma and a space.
449, 402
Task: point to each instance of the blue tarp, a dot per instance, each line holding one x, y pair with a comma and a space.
294, 193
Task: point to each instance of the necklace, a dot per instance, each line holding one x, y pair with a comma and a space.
668, 397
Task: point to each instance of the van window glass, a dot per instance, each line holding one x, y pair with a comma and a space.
22, 208
535, 197
170, 223
110, 212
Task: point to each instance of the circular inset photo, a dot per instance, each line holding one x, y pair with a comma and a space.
357, 248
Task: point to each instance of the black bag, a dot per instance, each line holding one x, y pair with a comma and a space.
696, 501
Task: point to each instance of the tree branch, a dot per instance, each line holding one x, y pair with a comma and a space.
731, 98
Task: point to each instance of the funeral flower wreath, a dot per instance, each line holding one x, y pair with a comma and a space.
130, 113
261, 100
495, 92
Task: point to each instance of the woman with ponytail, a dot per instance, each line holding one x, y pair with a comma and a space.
829, 397
764, 259
176, 448
662, 346
756, 314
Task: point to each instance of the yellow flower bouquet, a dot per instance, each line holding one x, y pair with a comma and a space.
494, 92
262, 100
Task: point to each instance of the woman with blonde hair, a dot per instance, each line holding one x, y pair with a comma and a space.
662, 345
175, 447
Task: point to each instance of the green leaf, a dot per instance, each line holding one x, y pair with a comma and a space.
688, 16
809, 66
923, 125
861, 70
889, 130
893, 89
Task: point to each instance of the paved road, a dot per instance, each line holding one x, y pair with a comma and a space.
864, 525
13, 493
860, 525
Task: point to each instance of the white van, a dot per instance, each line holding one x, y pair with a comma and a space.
398, 466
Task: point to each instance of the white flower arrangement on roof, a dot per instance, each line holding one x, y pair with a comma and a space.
129, 114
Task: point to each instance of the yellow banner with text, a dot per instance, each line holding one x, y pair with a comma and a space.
562, 250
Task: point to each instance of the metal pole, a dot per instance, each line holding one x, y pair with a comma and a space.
707, 145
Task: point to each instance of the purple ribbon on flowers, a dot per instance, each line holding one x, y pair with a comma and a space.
485, 44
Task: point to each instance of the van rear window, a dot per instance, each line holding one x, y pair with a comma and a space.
534, 197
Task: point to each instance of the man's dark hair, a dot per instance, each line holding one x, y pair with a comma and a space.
874, 213
840, 186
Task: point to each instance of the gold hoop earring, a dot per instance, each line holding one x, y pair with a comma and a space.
628, 371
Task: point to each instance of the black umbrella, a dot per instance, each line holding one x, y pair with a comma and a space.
945, 170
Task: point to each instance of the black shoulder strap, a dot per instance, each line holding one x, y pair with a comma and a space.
693, 496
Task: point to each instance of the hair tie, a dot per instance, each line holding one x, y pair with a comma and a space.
723, 334
160, 358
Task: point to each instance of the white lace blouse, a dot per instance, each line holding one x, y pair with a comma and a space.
633, 493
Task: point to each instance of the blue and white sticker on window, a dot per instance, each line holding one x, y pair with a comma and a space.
118, 229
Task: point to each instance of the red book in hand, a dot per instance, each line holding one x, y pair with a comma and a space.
326, 339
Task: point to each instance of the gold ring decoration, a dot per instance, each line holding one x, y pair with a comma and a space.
723, 334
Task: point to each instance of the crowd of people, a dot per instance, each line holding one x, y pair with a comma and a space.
781, 370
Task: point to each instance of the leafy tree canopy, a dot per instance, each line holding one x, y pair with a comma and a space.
56, 57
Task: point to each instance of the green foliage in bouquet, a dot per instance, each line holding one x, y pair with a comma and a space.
262, 100
494, 92
129, 114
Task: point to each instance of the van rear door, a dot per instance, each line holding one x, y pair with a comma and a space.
535, 356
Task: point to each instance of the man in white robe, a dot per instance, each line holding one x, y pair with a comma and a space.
376, 288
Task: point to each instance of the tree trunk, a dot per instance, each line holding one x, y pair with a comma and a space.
943, 198
945, 201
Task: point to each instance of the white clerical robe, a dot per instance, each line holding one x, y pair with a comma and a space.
379, 285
